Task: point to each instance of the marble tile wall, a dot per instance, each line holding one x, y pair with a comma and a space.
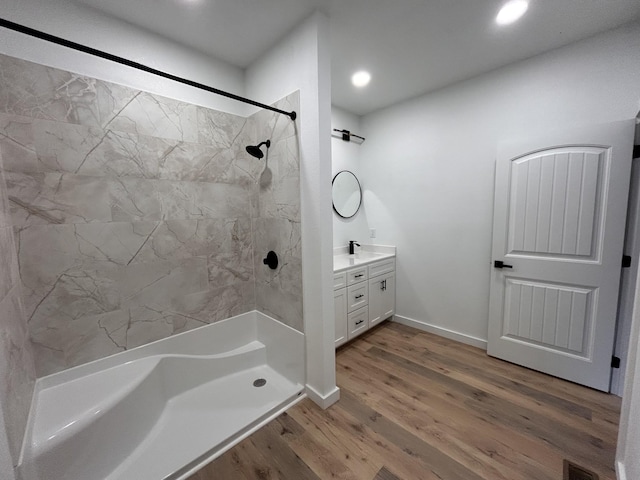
137, 217
276, 225
17, 372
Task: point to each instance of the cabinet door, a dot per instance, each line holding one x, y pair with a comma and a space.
382, 298
388, 300
340, 305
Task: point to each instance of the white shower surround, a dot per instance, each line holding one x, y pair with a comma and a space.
165, 409
305, 70
138, 217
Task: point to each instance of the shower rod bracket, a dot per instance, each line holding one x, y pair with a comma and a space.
129, 63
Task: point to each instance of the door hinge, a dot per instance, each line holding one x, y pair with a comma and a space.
636, 151
615, 362
626, 261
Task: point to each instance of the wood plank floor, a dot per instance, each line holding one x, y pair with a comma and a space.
417, 406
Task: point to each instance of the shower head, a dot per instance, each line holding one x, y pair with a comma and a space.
254, 150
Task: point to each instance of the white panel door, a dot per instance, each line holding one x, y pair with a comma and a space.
559, 220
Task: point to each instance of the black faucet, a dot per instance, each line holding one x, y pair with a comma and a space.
352, 244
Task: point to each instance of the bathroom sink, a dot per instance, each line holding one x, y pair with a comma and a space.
363, 257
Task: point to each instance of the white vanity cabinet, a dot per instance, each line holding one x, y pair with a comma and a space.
364, 295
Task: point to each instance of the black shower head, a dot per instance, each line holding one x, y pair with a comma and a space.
254, 150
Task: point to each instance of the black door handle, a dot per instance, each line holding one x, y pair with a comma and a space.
501, 264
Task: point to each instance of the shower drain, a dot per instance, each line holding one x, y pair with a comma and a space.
260, 382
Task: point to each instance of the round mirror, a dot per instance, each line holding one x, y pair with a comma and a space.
346, 193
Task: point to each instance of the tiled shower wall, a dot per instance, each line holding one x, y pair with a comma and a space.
17, 373
277, 226
138, 217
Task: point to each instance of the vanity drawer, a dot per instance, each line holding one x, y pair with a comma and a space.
356, 275
379, 268
358, 322
339, 280
357, 296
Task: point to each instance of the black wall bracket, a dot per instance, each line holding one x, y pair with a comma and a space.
271, 260
347, 136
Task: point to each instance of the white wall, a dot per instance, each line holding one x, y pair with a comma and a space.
628, 451
346, 156
301, 61
88, 26
430, 166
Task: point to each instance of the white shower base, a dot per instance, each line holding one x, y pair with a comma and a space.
163, 410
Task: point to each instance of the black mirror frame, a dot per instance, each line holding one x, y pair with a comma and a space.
359, 189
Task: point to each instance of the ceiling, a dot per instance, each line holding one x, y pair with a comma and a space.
409, 46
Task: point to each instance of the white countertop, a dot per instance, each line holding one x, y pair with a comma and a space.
363, 256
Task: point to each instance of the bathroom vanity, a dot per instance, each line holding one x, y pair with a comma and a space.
364, 289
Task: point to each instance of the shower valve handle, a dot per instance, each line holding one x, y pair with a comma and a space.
272, 260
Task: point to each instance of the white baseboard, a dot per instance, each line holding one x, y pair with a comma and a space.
323, 401
621, 472
443, 332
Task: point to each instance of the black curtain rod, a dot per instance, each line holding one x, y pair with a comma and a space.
123, 61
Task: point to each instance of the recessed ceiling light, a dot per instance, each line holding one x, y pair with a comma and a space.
361, 79
511, 11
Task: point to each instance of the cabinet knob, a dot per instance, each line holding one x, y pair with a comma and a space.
359, 275
359, 296
361, 321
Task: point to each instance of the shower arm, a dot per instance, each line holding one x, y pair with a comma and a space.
129, 63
